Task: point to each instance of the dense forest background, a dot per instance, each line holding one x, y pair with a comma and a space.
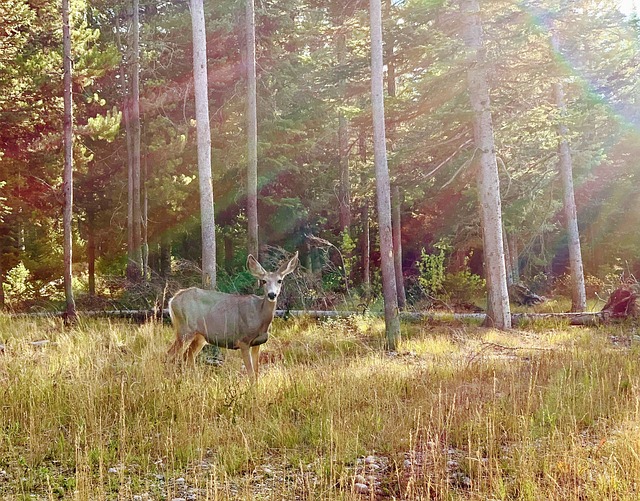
315, 174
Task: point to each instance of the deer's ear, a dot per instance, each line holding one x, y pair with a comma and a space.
287, 268
254, 267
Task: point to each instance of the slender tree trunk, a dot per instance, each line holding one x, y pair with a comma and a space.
135, 139
396, 199
578, 292
70, 312
392, 321
204, 144
91, 252
126, 112
396, 224
498, 310
146, 270
344, 186
252, 132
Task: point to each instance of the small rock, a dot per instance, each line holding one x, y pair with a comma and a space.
372, 479
359, 479
180, 481
370, 460
452, 464
160, 477
361, 488
137, 497
179, 499
113, 470
267, 471
373, 466
3, 474
407, 463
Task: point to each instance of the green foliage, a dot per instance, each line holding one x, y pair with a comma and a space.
463, 286
17, 285
431, 268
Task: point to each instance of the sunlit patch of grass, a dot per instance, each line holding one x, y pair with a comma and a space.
456, 413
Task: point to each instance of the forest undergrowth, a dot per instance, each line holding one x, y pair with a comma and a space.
459, 412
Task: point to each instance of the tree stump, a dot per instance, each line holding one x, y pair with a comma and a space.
621, 304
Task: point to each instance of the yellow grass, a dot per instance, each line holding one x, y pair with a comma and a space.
550, 412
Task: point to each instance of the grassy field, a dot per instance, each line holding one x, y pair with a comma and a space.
547, 412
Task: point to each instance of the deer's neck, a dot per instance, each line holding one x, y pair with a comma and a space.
268, 308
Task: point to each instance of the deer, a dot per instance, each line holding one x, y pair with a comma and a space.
232, 321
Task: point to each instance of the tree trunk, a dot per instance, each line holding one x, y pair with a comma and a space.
578, 293
126, 116
70, 312
342, 146
146, 270
135, 138
392, 321
204, 145
396, 224
498, 312
252, 133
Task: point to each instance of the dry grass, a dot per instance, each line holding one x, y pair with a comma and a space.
459, 413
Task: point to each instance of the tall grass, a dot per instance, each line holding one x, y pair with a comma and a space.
458, 413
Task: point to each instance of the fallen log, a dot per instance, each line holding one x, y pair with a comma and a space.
142, 316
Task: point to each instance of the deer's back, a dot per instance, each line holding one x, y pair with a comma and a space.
223, 319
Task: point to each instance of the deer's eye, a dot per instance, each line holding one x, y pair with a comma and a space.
279, 281
263, 282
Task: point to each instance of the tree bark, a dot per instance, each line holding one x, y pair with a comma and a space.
578, 292
252, 132
146, 270
498, 312
135, 140
203, 130
396, 224
70, 312
389, 289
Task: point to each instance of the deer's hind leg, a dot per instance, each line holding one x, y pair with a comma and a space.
194, 348
175, 349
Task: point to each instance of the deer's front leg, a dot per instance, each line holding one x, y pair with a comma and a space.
245, 349
255, 358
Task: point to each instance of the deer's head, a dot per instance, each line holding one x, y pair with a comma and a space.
271, 281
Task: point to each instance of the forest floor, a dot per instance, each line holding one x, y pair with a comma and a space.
544, 412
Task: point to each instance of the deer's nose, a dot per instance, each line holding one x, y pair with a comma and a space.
271, 295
